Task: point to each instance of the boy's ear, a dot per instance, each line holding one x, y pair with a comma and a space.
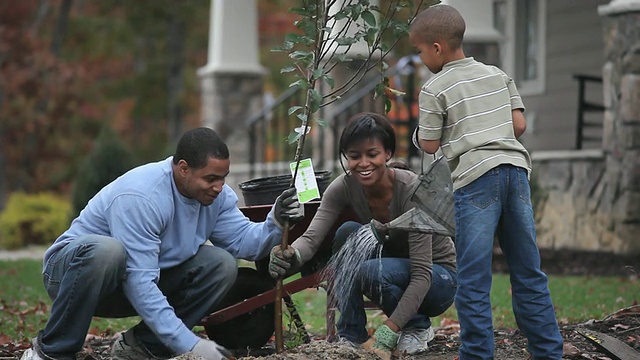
437, 47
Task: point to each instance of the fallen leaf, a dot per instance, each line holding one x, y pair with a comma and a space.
568, 349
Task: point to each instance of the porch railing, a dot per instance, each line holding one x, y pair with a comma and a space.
269, 152
588, 130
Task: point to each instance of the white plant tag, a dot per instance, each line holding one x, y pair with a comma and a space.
306, 184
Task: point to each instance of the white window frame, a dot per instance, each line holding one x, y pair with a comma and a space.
508, 49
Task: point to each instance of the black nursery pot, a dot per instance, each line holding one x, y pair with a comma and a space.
264, 191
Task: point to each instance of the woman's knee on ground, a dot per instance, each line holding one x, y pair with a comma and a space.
342, 234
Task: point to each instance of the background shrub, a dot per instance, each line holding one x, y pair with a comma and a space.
108, 159
33, 219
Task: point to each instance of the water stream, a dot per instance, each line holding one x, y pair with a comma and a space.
343, 266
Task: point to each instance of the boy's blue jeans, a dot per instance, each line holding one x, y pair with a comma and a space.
499, 203
384, 281
84, 279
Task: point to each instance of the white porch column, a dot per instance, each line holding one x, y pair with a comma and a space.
358, 49
481, 38
478, 16
232, 80
233, 37
618, 7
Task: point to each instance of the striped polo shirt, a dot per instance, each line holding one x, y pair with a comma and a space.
467, 106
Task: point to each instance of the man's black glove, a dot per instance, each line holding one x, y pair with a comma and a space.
288, 208
284, 263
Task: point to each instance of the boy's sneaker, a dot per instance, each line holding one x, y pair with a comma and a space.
414, 341
34, 353
346, 342
127, 347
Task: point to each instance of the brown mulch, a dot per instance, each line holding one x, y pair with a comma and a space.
623, 325
510, 344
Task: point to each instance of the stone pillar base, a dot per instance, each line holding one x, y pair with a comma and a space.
228, 100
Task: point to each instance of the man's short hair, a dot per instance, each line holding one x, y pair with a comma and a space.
197, 145
440, 23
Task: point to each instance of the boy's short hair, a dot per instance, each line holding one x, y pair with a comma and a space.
197, 145
440, 23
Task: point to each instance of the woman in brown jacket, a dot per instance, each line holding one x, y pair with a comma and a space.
417, 272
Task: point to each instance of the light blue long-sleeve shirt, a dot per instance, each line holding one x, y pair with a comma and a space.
159, 229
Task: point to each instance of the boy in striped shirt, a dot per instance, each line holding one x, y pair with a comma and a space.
474, 114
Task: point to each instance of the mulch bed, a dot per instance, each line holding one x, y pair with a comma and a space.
623, 325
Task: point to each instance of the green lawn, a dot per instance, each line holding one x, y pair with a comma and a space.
24, 304
576, 299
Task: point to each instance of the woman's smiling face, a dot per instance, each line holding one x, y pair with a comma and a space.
367, 161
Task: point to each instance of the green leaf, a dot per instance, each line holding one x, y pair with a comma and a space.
379, 91
286, 46
400, 29
346, 40
318, 73
293, 109
302, 117
387, 105
308, 27
299, 39
342, 14
369, 18
322, 122
356, 10
343, 58
293, 137
316, 100
372, 34
301, 83
301, 55
287, 69
329, 80
300, 11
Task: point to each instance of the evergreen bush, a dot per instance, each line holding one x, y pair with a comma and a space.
33, 219
108, 159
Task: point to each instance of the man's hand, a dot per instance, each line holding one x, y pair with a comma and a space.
283, 263
382, 342
210, 350
287, 207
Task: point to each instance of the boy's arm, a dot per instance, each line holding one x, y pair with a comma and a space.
519, 123
429, 146
427, 136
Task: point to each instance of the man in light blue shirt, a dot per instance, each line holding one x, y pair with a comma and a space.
140, 247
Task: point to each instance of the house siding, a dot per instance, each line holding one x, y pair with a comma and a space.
573, 46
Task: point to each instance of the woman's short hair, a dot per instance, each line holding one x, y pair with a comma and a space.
364, 126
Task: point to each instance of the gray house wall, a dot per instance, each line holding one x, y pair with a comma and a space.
574, 45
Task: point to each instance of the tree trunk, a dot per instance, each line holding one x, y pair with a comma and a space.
60, 31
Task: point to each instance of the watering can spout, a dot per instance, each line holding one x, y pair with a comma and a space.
434, 212
414, 220
379, 230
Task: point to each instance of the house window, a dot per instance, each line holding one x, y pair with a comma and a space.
522, 23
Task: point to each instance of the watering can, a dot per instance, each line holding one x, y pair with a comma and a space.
434, 214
